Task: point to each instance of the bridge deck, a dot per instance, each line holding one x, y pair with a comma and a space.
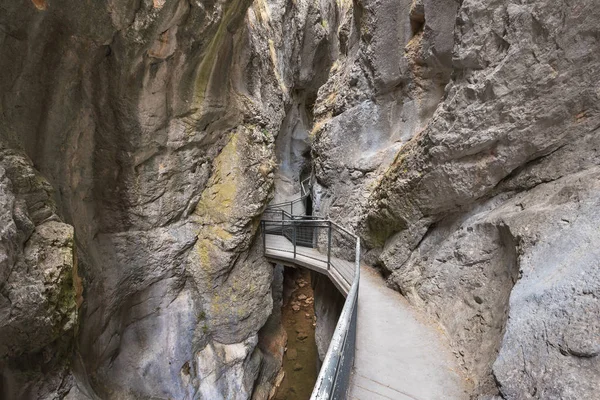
281, 250
399, 355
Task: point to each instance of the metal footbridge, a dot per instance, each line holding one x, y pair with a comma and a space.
295, 239
397, 354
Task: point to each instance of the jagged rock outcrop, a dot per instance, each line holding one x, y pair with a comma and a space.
481, 213
39, 285
140, 142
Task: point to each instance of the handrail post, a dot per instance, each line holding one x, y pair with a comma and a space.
357, 257
294, 237
264, 235
328, 244
305, 204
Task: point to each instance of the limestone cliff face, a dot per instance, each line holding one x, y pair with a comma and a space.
141, 140
153, 125
461, 140
38, 283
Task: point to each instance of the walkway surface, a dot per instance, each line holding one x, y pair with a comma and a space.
399, 354
280, 249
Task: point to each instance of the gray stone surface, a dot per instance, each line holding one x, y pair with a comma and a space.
380, 94
155, 124
38, 284
553, 330
143, 140
482, 105
328, 307
400, 354
272, 339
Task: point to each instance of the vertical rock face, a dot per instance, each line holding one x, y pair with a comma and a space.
154, 123
38, 284
383, 89
140, 142
328, 307
460, 139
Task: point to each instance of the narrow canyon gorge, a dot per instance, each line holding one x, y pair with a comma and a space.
141, 142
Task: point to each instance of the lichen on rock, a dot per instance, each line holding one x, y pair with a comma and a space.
141, 141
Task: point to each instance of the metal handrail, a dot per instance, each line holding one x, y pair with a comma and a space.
303, 195
296, 217
334, 376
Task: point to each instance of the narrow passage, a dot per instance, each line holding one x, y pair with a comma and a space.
298, 318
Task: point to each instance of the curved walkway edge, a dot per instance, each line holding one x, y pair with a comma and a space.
399, 356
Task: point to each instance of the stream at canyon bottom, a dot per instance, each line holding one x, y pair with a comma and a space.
298, 316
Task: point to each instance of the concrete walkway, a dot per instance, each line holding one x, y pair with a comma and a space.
399, 355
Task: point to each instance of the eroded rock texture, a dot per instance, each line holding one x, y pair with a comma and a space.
153, 124
38, 284
140, 142
461, 140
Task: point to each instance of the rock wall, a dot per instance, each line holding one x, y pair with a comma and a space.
141, 140
328, 307
39, 284
153, 124
460, 139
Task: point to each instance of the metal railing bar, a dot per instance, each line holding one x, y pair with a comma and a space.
298, 254
296, 218
324, 386
298, 221
338, 227
317, 219
286, 203
294, 239
334, 376
292, 224
302, 188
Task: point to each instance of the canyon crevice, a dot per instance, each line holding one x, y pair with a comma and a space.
140, 142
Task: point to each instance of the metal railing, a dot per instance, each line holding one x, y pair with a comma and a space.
296, 206
334, 377
325, 242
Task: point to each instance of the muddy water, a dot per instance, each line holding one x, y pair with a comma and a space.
300, 359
